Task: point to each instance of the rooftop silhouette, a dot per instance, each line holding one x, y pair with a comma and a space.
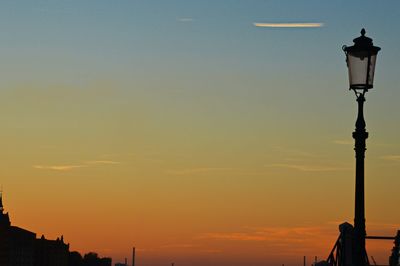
21, 247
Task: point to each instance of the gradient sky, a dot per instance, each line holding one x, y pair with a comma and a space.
181, 128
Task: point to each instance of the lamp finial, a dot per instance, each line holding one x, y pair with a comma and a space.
363, 32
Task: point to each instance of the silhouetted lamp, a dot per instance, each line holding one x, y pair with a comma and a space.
361, 59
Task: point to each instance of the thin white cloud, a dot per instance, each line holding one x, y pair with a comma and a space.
69, 167
185, 19
58, 167
289, 25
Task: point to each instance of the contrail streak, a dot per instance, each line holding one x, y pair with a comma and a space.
289, 25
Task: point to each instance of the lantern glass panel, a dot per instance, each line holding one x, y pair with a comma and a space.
357, 63
372, 70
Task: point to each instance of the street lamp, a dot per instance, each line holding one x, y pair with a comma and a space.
361, 59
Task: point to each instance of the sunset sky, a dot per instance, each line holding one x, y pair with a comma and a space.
208, 132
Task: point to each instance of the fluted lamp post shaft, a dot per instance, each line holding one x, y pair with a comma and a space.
360, 135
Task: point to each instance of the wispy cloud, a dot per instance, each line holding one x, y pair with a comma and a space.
185, 19
102, 162
284, 240
69, 167
192, 248
200, 170
393, 158
179, 246
308, 168
294, 152
289, 25
58, 167
281, 240
235, 236
276, 235
383, 226
343, 142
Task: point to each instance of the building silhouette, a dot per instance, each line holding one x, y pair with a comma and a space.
20, 247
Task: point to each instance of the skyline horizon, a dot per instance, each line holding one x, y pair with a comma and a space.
316, 258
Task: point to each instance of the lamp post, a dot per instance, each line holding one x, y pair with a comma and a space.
361, 59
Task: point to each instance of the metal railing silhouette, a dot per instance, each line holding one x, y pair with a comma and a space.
341, 254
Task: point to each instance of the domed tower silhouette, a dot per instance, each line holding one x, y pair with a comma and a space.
4, 217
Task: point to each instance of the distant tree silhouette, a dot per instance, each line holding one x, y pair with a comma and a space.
91, 259
75, 259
